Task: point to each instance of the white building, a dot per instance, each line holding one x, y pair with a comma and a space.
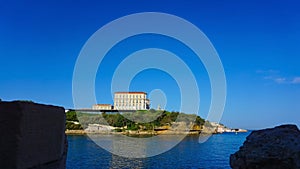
131, 101
102, 107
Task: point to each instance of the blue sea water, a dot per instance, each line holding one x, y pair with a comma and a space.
189, 153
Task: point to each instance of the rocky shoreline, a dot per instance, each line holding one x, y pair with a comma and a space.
32, 136
274, 148
165, 132
82, 132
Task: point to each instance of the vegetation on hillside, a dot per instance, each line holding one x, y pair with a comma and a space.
72, 122
139, 120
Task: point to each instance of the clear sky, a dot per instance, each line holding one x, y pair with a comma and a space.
257, 42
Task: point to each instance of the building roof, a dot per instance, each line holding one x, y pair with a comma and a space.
130, 93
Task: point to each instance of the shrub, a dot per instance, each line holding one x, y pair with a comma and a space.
73, 126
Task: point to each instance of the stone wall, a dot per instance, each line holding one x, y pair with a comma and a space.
276, 148
32, 136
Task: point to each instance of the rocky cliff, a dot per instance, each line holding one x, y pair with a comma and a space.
276, 148
32, 136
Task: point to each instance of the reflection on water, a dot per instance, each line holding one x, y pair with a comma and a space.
136, 147
121, 162
214, 153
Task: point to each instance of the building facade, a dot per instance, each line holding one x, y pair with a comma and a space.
102, 107
131, 101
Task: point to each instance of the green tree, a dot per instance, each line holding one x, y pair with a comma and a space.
71, 116
199, 121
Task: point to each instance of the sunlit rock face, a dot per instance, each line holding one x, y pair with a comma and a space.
276, 148
32, 136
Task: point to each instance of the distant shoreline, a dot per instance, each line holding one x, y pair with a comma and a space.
166, 132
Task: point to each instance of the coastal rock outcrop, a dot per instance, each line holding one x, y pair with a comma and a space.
276, 148
32, 136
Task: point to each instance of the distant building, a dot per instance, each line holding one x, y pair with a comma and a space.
131, 101
102, 107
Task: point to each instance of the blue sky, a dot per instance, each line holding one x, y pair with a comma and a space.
257, 42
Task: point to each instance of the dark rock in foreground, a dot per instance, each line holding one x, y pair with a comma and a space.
276, 148
32, 136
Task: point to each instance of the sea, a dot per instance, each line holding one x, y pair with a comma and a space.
84, 153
